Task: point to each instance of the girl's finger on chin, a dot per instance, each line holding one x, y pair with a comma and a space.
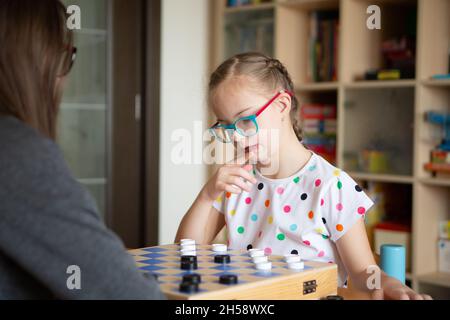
426, 297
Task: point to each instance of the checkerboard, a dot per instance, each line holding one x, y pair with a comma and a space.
316, 280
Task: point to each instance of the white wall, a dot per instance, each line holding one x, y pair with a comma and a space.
184, 74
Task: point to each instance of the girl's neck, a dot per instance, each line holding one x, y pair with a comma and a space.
292, 157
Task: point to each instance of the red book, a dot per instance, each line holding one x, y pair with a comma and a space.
393, 226
318, 111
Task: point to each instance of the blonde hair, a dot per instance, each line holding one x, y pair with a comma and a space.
267, 72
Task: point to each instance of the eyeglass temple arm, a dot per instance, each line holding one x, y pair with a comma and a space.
272, 100
262, 109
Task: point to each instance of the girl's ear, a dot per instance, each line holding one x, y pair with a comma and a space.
285, 103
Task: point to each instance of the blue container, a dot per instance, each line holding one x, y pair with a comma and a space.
393, 261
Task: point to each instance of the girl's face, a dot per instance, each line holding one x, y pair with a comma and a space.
236, 98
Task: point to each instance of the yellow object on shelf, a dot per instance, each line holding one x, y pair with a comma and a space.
374, 161
389, 75
444, 229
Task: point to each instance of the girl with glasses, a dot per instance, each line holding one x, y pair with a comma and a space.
304, 205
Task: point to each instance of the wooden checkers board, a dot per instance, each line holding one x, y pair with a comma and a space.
315, 281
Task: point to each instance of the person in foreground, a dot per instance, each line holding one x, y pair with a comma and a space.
278, 195
49, 225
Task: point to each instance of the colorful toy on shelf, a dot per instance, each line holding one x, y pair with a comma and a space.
440, 157
441, 119
441, 76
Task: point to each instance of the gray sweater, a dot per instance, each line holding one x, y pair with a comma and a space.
49, 222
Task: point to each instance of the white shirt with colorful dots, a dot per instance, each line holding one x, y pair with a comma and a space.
304, 214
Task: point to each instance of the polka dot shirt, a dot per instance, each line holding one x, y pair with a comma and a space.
304, 214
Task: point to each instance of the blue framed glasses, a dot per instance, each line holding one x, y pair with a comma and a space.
245, 126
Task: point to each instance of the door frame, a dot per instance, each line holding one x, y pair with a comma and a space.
151, 113
134, 46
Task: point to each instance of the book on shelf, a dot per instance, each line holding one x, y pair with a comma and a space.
313, 126
318, 111
319, 129
239, 3
323, 46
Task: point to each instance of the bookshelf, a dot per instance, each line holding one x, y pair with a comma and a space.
383, 112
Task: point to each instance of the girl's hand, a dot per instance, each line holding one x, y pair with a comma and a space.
233, 177
392, 289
